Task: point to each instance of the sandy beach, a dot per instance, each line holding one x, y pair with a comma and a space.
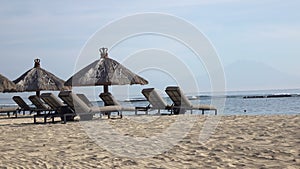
271, 141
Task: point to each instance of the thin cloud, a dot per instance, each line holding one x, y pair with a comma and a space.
282, 32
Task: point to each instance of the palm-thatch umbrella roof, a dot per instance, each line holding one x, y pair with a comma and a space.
105, 72
6, 85
38, 79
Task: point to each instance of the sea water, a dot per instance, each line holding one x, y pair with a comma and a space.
261, 102
236, 103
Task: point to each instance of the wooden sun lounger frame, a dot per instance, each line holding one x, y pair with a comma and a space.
155, 100
60, 110
39, 104
79, 103
22, 104
82, 108
109, 100
181, 102
9, 110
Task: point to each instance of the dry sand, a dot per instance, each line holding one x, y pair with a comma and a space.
238, 142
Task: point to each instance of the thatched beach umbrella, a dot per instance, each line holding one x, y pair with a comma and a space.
6, 85
105, 72
38, 79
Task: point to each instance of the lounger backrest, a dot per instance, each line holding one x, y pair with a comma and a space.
75, 102
109, 99
52, 100
37, 102
66, 97
85, 100
21, 102
178, 97
154, 98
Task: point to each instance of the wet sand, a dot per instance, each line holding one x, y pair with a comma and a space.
271, 141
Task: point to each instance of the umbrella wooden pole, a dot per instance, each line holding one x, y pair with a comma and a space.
105, 89
38, 93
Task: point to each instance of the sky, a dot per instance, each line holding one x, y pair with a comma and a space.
267, 32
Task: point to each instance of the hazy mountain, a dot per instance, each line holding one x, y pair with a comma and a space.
252, 75
255, 75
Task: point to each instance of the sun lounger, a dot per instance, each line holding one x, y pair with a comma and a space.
60, 110
83, 109
181, 102
79, 103
109, 100
39, 104
22, 104
9, 110
85, 99
155, 100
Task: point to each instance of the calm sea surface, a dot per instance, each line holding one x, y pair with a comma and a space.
260, 102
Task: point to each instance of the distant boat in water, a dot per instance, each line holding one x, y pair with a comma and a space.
193, 97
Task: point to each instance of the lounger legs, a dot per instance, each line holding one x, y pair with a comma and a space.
119, 114
144, 109
63, 118
216, 111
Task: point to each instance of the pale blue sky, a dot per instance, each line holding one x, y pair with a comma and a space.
55, 31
